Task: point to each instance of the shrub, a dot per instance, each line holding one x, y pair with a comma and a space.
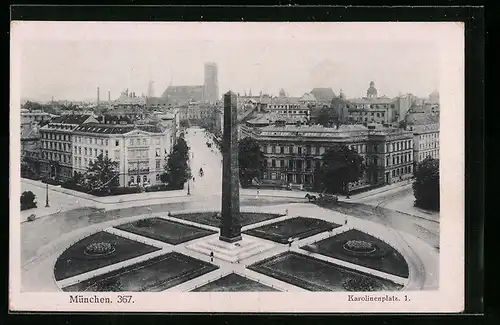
28, 200
144, 223
51, 181
124, 190
157, 188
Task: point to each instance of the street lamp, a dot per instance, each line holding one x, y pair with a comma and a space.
189, 191
47, 195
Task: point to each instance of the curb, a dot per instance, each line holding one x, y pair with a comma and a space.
416, 216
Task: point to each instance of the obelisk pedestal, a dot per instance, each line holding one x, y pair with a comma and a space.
230, 228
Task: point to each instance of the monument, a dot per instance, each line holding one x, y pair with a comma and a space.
230, 246
230, 229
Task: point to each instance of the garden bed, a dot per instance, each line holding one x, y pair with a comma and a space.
167, 231
384, 258
74, 261
234, 283
298, 227
316, 275
211, 218
154, 275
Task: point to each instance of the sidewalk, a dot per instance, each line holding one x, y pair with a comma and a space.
110, 199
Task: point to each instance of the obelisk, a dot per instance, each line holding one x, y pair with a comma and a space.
230, 228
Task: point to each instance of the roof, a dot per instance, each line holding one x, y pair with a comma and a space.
323, 94
116, 128
423, 128
307, 97
285, 100
421, 118
129, 100
376, 100
71, 119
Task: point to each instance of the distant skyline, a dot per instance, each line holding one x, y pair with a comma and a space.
73, 69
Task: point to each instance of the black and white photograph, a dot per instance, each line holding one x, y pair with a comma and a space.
305, 167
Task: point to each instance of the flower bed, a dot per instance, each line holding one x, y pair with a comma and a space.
99, 249
359, 246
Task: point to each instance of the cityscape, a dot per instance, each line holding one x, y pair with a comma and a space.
204, 188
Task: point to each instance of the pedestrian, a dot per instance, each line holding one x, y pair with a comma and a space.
211, 256
345, 222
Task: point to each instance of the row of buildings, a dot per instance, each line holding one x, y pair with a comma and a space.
293, 153
70, 143
391, 135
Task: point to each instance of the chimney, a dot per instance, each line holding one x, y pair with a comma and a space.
97, 96
109, 96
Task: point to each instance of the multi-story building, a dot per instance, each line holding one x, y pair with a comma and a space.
373, 109
140, 150
31, 147
293, 153
288, 106
426, 141
390, 155
56, 137
36, 116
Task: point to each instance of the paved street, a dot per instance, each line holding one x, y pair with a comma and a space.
209, 159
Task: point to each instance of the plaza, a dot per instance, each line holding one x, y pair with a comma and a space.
161, 231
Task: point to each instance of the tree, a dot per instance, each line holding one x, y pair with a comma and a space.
340, 166
28, 200
102, 174
177, 170
327, 116
251, 160
426, 185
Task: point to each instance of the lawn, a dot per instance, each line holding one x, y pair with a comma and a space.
313, 274
234, 283
74, 261
299, 227
167, 231
385, 258
154, 275
211, 219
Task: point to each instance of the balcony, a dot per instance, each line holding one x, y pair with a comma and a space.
138, 170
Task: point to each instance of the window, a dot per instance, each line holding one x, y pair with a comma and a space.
144, 142
145, 179
273, 163
282, 149
117, 143
95, 152
85, 161
157, 164
100, 152
79, 150
157, 152
157, 177
106, 141
393, 173
106, 153
117, 154
138, 179
86, 153
299, 150
290, 149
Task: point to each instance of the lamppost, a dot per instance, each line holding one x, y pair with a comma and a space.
189, 191
47, 195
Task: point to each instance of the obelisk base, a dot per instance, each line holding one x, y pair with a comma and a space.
231, 252
230, 239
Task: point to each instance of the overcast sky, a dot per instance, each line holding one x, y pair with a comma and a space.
71, 68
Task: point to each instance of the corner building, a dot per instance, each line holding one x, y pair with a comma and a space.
140, 150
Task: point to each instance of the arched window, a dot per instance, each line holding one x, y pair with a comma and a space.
144, 179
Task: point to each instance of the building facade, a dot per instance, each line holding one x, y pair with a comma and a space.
140, 150
56, 156
293, 154
426, 141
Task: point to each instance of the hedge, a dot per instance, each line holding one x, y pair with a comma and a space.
157, 188
51, 181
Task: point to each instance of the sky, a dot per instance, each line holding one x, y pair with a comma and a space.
73, 66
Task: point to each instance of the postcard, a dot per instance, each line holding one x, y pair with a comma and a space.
237, 167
